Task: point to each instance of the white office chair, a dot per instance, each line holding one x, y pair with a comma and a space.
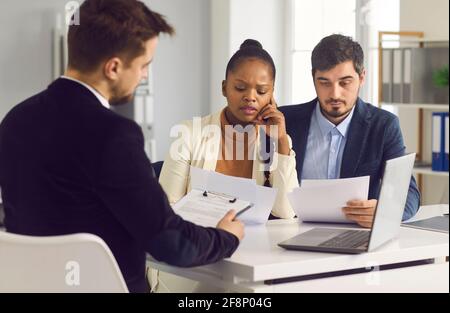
70, 263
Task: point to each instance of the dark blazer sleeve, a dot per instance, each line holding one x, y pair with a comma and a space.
394, 148
127, 186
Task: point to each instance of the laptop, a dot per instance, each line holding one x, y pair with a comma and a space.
387, 219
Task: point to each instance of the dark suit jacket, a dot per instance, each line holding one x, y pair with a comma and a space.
70, 165
374, 136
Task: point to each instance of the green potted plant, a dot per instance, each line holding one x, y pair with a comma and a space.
440, 80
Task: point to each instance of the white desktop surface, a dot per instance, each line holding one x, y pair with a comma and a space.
259, 258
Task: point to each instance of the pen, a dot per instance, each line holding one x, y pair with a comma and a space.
243, 210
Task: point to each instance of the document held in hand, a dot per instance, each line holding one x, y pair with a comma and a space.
323, 200
212, 195
207, 208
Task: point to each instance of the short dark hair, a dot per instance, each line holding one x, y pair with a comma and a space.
112, 27
250, 49
336, 49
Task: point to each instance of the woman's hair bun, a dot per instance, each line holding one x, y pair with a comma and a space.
251, 43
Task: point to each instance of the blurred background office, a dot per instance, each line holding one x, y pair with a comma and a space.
188, 68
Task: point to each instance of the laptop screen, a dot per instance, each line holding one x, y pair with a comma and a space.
392, 200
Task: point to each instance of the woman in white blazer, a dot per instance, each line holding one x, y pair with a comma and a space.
205, 143
208, 143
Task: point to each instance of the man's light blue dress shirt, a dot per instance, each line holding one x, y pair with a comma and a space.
325, 147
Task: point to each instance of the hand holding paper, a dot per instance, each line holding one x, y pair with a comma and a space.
361, 212
323, 200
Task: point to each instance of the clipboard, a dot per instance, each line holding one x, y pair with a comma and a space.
207, 208
228, 198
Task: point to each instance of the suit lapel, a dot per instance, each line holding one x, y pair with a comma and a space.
301, 131
356, 141
302, 143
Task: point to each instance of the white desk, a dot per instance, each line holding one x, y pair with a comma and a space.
259, 259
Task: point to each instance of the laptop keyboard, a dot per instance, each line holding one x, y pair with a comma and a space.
348, 239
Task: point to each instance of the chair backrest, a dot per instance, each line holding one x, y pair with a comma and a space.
69, 263
157, 166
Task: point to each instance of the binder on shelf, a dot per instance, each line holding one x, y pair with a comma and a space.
438, 141
424, 61
446, 135
397, 70
387, 76
407, 76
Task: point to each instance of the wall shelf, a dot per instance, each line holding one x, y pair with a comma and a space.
428, 171
425, 106
412, 39
416, 40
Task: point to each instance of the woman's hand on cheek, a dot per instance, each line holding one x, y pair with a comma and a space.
271, 116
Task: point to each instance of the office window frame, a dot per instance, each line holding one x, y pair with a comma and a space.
293, 70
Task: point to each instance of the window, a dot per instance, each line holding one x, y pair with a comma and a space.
313, 20
360, 19
375, 16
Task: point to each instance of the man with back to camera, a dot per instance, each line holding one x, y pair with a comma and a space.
337, 135
68, 164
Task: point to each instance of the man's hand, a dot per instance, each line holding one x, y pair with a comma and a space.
361, 211
229, 224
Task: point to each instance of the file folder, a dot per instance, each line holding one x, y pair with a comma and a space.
446, 135
407, 76
397, 76
438, 141
387, 76
418, 66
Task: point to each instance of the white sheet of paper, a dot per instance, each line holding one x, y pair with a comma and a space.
202, 179
199, 178
323, 200
244, 189
206, 211
328, 182
263, 201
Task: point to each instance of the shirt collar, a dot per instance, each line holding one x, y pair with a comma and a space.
100, 98
326, 126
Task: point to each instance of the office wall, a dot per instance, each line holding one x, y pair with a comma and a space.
220, 50
188, 68
429, 16
181, 67
25, 51
233, 21
265, 22
432, 18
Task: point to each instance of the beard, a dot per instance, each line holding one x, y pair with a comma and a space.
337, 112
